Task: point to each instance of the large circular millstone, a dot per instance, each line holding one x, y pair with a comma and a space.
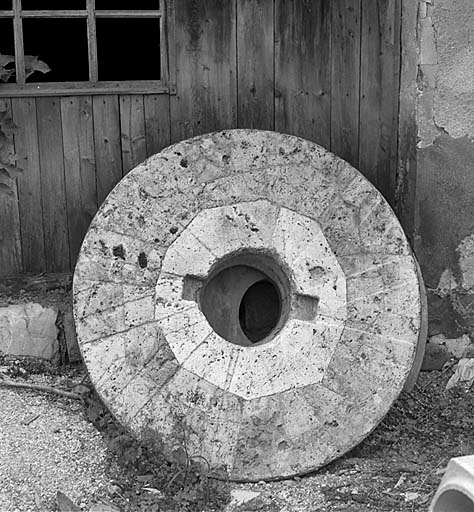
249, 299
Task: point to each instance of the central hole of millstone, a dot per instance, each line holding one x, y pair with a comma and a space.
246, 299
259, 310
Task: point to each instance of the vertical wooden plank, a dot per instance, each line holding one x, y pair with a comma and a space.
132, 131
303, 69
92, 41
29, 185
255, 64
157, 122
345, 58
10, 246
53, 190
206, 96
379, 89
19, 48
170, 41
108, 155
79, 164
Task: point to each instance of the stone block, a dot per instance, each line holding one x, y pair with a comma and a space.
455, 346
435, 357
468, 352
29, 330
53, 293
241, 498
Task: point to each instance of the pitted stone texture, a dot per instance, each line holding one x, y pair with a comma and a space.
300, 353
29, 330
325, 380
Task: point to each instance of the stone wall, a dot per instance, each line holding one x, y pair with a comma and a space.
444, 217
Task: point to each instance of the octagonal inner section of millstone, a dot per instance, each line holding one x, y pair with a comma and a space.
246, 297
285, 247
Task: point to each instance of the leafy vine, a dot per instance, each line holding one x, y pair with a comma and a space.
8, 158
32, 64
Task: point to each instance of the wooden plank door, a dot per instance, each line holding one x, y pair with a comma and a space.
325, 70
303, 69
10, 245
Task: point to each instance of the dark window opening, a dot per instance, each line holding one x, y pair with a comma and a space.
113, 46
61, 44
128, 5
128, 49
46, 5
7, 51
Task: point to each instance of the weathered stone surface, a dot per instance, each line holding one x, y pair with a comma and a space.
468, 352
322, 377
301, 247
52, 292
241, 497
455, 346
29, 330
422, 335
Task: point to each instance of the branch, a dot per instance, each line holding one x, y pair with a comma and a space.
40, 387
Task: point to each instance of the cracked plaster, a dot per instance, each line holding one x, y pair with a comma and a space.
444, 184
446, 70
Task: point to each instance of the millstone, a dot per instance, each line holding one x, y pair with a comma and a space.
249, 300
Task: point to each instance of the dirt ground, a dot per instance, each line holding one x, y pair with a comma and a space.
397, 468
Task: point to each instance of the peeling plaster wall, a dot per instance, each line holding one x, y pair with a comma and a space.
444, 220
454, 101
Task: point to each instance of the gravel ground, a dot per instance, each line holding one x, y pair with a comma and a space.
396, 469
57, 451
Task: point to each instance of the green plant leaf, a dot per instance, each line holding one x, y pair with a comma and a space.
180, 456
65, 504
5, 190
6, 122
11, 168
7, 156
6, 59
4, 173
33, 64
6, 74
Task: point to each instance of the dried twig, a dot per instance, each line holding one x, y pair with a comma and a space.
39, 387
425, 478
175, 476
29, 420
200, 457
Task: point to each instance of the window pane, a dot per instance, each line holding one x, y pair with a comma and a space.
64, 5
7, 51
61, 44
128, 5
128, 49
5, 5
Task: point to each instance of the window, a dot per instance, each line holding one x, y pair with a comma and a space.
74, 46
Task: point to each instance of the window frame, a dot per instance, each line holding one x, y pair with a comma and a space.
166, 84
